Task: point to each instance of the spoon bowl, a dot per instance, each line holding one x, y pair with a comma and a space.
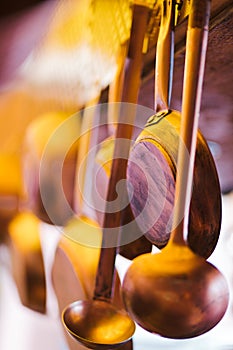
108, 327
175, 293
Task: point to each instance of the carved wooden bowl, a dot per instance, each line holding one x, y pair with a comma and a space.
151, 175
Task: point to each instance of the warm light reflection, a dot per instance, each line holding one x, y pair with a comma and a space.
84, 231
24, 232
110, 330
10, 175
98, 322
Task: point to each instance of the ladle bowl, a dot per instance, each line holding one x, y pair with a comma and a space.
108, 327
175, 293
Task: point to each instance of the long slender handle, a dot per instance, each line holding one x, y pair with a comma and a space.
84, 146
196, 47
165, 56
116, 87
106, 268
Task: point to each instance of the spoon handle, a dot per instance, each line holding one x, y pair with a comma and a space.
111, 227
165, 56
196, 47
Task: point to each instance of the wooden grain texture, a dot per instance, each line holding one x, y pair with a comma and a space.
216, 118
152, 172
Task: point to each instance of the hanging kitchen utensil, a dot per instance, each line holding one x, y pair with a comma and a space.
176, 293
153, 162
134, 242
11, 191
86, 135
98, 323
27, 265
102, 168
82, 233
49, 158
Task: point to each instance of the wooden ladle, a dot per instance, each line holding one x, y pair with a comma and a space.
177, 293
153, 161
97, 323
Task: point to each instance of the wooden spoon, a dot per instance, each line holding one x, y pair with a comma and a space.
177, 293
97, 323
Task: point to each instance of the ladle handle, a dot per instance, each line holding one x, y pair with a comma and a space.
116, 86
196, 47
106, 268
165, 56
84, 147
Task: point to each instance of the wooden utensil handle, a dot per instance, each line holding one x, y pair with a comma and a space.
165, 57
199, 15
196, 46
106, 267
84, 147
